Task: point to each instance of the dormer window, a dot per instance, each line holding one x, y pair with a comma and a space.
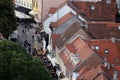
108, 1
106, 51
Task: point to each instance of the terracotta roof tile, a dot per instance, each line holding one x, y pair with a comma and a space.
104, 30
102, 11
52, 10
82, 51
96, 73
70, 48
112, 53
67, 34
62, 20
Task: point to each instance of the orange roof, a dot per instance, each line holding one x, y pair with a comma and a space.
107, 49
62, 20
94, 73
52, 10
70, 48
81, 49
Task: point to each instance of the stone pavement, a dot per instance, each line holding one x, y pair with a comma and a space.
27, 32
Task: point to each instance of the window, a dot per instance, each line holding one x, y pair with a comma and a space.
108, 1
97, 48
106, 51
30, 5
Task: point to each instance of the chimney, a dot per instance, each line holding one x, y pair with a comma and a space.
115, 75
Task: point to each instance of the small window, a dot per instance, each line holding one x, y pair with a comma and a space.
108, 1
106, 51
97, 48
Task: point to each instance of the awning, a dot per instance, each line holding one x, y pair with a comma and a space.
22, 9
32, 13
21, 15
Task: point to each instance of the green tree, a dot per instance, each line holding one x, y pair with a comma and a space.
7, 17
16, 64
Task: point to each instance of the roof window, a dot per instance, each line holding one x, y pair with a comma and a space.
97, 48
106, 51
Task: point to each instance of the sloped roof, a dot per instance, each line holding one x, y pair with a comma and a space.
62, 20
81, 49
54, 37
112, 49
67, 34
102, 11
104, 30
94, 73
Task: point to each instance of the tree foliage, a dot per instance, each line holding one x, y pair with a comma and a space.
7, 17
16, 64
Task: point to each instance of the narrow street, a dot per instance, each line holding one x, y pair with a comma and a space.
26, 33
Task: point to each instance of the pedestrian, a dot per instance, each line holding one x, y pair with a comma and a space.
34, 52
22, 31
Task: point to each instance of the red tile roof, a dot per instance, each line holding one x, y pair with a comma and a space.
62, 20
67, 34
104, 30
81, 49
94, 73
52, 10
112, 54
102, 11
70, 47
